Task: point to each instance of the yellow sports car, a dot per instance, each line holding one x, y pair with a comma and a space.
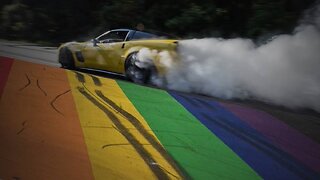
116, 51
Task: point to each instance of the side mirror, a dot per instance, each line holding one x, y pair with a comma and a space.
95, 41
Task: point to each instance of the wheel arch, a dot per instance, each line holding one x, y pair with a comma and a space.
129, 52
73, 47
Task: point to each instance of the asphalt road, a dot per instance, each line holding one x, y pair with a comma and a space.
29, 52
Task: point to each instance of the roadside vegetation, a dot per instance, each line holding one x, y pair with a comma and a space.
53, 22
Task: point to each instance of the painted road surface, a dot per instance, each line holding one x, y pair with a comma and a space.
62, 124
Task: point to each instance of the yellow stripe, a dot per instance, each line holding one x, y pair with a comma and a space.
112, 156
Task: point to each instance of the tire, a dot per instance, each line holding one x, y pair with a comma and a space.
135, 73
66, 59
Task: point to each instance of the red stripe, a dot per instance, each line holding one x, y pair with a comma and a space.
5, 66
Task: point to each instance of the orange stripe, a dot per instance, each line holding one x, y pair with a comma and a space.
40, 133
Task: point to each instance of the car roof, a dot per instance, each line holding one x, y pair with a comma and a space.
156, 33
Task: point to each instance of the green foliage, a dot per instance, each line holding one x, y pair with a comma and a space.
192, 19
16, 20
60, 20
120, 14
270, 16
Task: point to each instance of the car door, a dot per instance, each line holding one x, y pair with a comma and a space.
105, 51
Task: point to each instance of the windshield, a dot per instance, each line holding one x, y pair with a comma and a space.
112, 36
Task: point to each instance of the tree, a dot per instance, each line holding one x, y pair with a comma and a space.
16, 20
59, 20
275, 16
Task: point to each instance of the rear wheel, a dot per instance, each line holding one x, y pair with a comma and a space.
134, 72
66, 59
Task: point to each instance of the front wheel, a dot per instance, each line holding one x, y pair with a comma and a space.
134, 72
66, 59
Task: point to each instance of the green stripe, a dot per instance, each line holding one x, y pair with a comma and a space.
198, 152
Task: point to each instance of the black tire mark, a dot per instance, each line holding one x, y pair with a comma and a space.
80, 77
19, 132
167, 171
24, 123
98, 127
54, 100
134, 121
96, 80
117, 128
119, 144
146, 156
23, 127
28, 83
137, 124
150, 138
38, 85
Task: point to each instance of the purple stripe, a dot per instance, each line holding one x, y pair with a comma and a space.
288, 139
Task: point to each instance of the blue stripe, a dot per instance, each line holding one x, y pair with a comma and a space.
266, 159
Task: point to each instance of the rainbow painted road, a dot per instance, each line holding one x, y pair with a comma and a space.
61, 124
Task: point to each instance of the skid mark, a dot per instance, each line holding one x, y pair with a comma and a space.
55, 99
19, 132
80, 77
27, 84
146, 156
96, 80
42, 90
137, 124
23, 127
112, 145
101, 139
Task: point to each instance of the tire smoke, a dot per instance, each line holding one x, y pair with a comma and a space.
284, 71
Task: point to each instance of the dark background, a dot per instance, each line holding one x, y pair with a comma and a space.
55, 21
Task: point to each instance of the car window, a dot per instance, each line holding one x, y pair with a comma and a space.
143, 35
113, 36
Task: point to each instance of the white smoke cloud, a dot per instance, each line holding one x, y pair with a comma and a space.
285, 71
